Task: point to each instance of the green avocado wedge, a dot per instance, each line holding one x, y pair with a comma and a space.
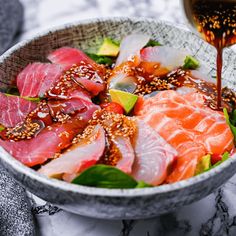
125, 99
108, 48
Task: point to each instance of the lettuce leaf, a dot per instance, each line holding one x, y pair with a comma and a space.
232, 127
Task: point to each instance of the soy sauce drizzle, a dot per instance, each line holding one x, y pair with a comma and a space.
216, 21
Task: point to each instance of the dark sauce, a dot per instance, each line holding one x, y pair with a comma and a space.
51, 109
216, 21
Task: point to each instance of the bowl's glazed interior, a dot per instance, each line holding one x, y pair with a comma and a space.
106, 203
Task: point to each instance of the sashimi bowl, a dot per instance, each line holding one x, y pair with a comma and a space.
100, 202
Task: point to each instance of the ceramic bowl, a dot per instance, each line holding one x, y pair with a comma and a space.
115, 203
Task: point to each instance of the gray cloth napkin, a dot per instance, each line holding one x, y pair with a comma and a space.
15, 214
11, 19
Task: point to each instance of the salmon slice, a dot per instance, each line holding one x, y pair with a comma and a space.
189, 153
188, 125
49, 141
36, 78
77, 157
154, 156
14, 109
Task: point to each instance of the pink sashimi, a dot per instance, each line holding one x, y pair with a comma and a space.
127, 154
14, 109
86, 72
168, 57
49, 141
154, 156
67, 56
79, 156
92, 86
77, 102
36, 78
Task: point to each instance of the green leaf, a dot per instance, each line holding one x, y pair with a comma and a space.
191, 63
142, 184
233, 117
2, 128
100, 59
152, 43
32, 99
26, 98
104, 176
232, 127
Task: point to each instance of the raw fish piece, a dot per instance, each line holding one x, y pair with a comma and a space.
79, 156
36, 78
14, 109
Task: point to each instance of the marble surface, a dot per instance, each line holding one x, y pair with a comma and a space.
213, 215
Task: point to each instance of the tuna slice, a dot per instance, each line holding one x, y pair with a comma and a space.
66, 57
154, 156
88, 72
78, 102
79, 156
49, 141
36, 78
94, 87
192, 128
14, 109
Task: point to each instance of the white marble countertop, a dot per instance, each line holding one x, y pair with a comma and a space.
213, 215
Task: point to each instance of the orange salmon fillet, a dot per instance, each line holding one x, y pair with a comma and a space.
188, 125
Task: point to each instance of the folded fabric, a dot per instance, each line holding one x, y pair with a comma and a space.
11, 18
15, 213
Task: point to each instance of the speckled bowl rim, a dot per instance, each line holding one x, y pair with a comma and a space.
68, 187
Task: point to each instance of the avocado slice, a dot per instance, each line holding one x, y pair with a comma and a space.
126, 100
108, 48
203, 164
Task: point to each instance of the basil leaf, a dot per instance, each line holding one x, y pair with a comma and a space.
100, 59
142, 184
152, 43
104, 176
232, 127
